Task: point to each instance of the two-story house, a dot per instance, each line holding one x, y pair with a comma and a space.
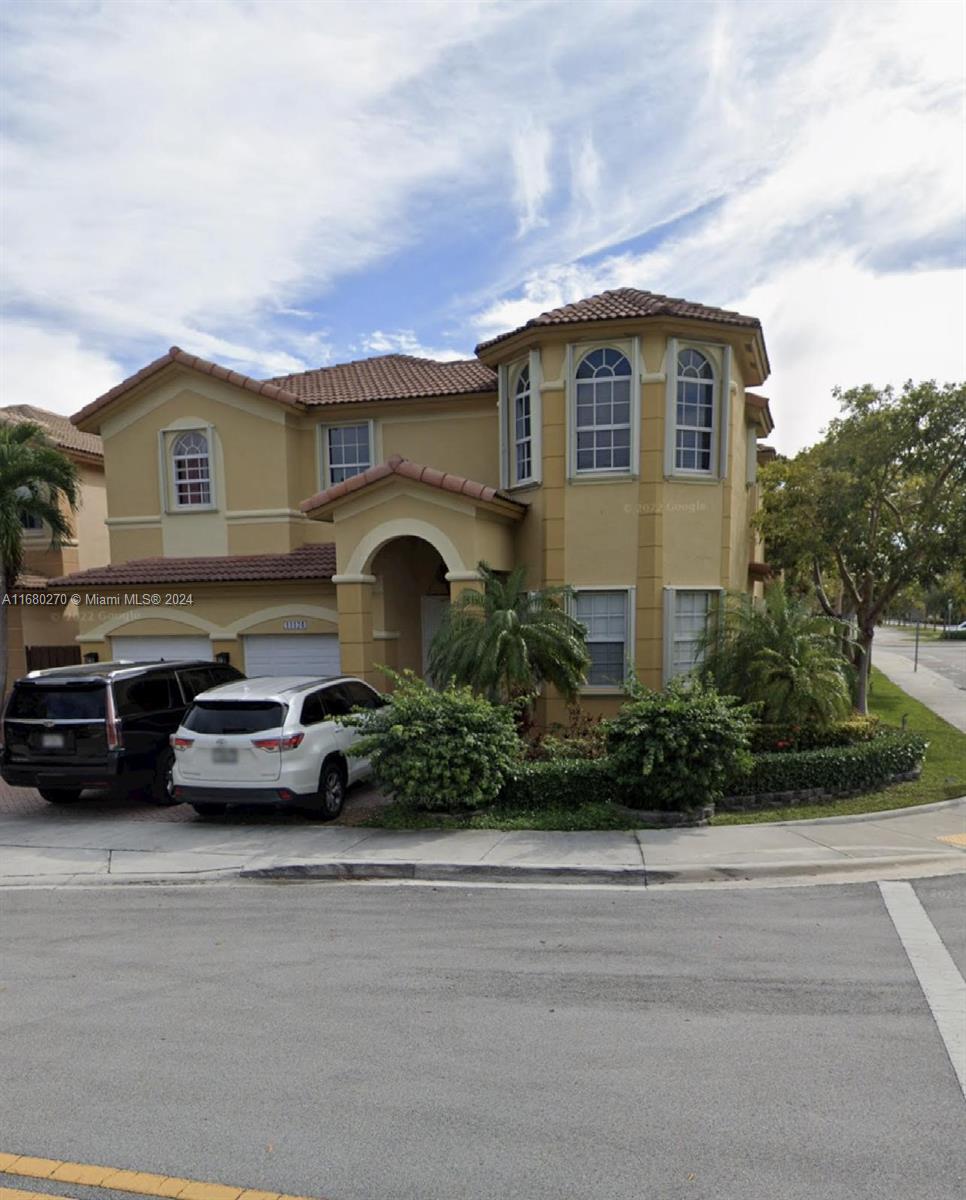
38, 634
322, 521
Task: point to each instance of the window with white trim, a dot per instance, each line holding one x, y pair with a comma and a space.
348, 451
602, 411
691, 613
191, 468
605, 615
694, 418
522, 428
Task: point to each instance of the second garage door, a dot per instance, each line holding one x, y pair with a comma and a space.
291, 654
148, 649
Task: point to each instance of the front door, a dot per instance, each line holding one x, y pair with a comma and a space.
433, 609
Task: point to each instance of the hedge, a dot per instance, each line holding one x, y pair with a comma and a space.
766, 737
859, 767
558, 783
953, 635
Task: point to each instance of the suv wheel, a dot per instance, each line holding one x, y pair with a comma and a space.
162, 786
332, 789
60, 795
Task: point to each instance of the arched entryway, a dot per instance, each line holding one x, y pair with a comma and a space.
411, 595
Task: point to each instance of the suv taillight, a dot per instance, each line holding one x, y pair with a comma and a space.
288, 742
181, 743
112, 723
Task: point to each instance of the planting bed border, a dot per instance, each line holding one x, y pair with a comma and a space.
804, 796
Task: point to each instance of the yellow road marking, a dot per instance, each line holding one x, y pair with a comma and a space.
954, 839
142, 1183
16, 1194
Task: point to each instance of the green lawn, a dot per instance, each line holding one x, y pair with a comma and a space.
943, 775
927, 633
943, 778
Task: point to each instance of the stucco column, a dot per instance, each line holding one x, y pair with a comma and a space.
356, 644
459, 581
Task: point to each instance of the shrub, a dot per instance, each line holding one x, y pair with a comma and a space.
777, 737
677, 749
437, 749
862, 766
584, 737
559, 783
953, 635
779, 655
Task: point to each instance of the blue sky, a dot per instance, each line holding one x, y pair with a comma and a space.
281, 186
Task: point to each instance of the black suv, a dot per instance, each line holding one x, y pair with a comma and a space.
101, 726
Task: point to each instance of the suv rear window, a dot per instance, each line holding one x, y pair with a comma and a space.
58, 702
236, 716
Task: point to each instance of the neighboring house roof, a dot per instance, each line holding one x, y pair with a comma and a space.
626, 303
397, 465
307, 562
766, 453
389, 377
59, 428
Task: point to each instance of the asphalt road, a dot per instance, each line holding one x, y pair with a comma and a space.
387, 1043
946, 658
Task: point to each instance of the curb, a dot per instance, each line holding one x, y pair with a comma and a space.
619, 876
887, 814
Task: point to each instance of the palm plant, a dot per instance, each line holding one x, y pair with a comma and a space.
504, 641
782, 656
37, 481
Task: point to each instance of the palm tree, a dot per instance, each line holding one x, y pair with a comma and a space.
505, 641
36, 480
781, 655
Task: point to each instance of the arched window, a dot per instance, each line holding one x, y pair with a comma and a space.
192, 470
603, 411
522, 428
694, 420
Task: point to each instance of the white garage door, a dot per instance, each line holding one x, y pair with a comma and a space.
291, 654
146, 649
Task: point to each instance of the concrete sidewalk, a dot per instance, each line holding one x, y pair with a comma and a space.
925, 685
54, 850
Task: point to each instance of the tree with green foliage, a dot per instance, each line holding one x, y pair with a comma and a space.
781, 656
505, 641
38, 482
878, 504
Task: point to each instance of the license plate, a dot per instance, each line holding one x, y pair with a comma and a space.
221, 754
52, 741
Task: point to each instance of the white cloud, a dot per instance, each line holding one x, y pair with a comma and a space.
51, 370
210, 175
404, 341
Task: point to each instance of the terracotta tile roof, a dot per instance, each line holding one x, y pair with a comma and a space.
766, 454
193, 362
58, 427
626, 303
307, 562
760, 570
397, 465
30, 583
389, 377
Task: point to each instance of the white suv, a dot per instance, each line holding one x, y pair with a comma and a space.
270, 740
